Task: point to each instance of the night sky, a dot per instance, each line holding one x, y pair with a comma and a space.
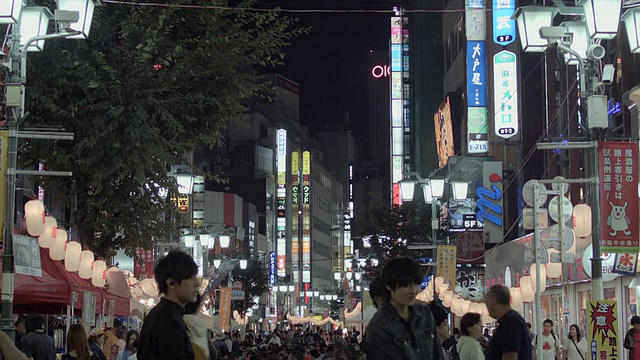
331, 62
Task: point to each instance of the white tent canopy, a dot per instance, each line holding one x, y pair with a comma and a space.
364, 317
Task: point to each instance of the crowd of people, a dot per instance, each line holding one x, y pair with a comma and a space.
402, 328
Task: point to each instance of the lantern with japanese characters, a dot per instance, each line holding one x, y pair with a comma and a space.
48, 237
72, 256
582, 220
86, 260
99, 276
526, 289
34, 215
58, 250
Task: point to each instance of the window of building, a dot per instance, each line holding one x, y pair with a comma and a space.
322, 203
321, 226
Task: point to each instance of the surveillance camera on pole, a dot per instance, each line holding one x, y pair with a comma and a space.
65, 18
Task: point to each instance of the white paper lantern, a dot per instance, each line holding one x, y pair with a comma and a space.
99, 276
516, 300
446, 298
456, 305
58, 250
113, 268
149, 287
476, 308
48, 237
554, 270
582, 220
439, 281
86, 260
526, 289
34, 215
443, 287
72, 256
543, 276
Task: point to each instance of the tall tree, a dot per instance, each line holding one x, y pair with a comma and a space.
255, 280
391, 229
150, 84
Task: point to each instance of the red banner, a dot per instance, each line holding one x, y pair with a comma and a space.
470, 247
143, 265
225, 308
618, 163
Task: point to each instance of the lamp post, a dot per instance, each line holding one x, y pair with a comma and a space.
26, 19
602, 19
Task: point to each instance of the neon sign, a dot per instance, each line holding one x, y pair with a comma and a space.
379, 71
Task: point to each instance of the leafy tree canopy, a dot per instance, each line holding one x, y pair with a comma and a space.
255, 280
149, 85
392, 229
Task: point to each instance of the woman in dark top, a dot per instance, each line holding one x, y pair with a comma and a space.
77, 344
96, 341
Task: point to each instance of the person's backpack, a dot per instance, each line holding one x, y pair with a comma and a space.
453, 353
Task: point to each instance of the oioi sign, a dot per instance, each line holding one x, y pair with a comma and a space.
505, 89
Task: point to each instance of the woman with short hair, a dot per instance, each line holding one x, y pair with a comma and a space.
471, 329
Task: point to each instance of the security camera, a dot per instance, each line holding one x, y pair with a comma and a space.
65, 18
552, 33
608, 74
596, 51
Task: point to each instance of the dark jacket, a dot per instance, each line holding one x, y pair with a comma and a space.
391, 337
164, 334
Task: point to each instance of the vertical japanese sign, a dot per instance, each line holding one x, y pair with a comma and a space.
505, 99
143, 266
618, 162
295, 197
397, 128
447, 263
4, 146
272, 268
603, 341
198, 257
306, 231
504, 27
225, 308
477, 128
27, 255
281, 194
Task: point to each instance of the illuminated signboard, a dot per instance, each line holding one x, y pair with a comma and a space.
396, 57
295, 196
281, 194
505, 90
474, 4
397, 67
306, 230
477, 125
476, 24
476, 73
272, 268
504, 26
379, 71
396, 30
444, 133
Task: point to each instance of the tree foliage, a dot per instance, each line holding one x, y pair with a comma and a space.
149, 85
391, 229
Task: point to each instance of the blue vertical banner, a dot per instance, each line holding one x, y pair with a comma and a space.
272, 268
396, 57
504, 27
476, 74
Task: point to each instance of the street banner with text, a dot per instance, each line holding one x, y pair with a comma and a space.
602, 327
225, 308
447, 263
618, 164
27, 255
226, 265
4, 163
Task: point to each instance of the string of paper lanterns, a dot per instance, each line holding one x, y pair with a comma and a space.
75, 259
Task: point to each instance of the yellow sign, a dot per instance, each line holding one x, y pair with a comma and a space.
225, 308
447, 263
306, 163
4, 159
183, 203
295, 163
604, 342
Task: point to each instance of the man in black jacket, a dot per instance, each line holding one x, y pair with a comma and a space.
164, 334
402, 329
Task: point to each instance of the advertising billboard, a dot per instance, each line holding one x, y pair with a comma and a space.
295, 199
505, 94
476, 74
444, 132
489, 203
504, 26
618, 161
281, 194
477, 130
306, 230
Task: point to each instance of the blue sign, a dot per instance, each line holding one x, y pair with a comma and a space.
396, 57
272, 268
486, 206
476, 74
504, 28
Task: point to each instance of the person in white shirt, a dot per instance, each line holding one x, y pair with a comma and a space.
549, 342
468, 346
577, 347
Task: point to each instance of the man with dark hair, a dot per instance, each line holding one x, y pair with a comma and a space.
164, 333
21, 328
548, 342
511, 339
37, 344
402, 329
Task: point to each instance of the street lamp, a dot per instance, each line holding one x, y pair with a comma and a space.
603, 18
225, 241
85, 9
243, 264
533, 17
10, 13
460, 189
631, 19
34, 21
407, 188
